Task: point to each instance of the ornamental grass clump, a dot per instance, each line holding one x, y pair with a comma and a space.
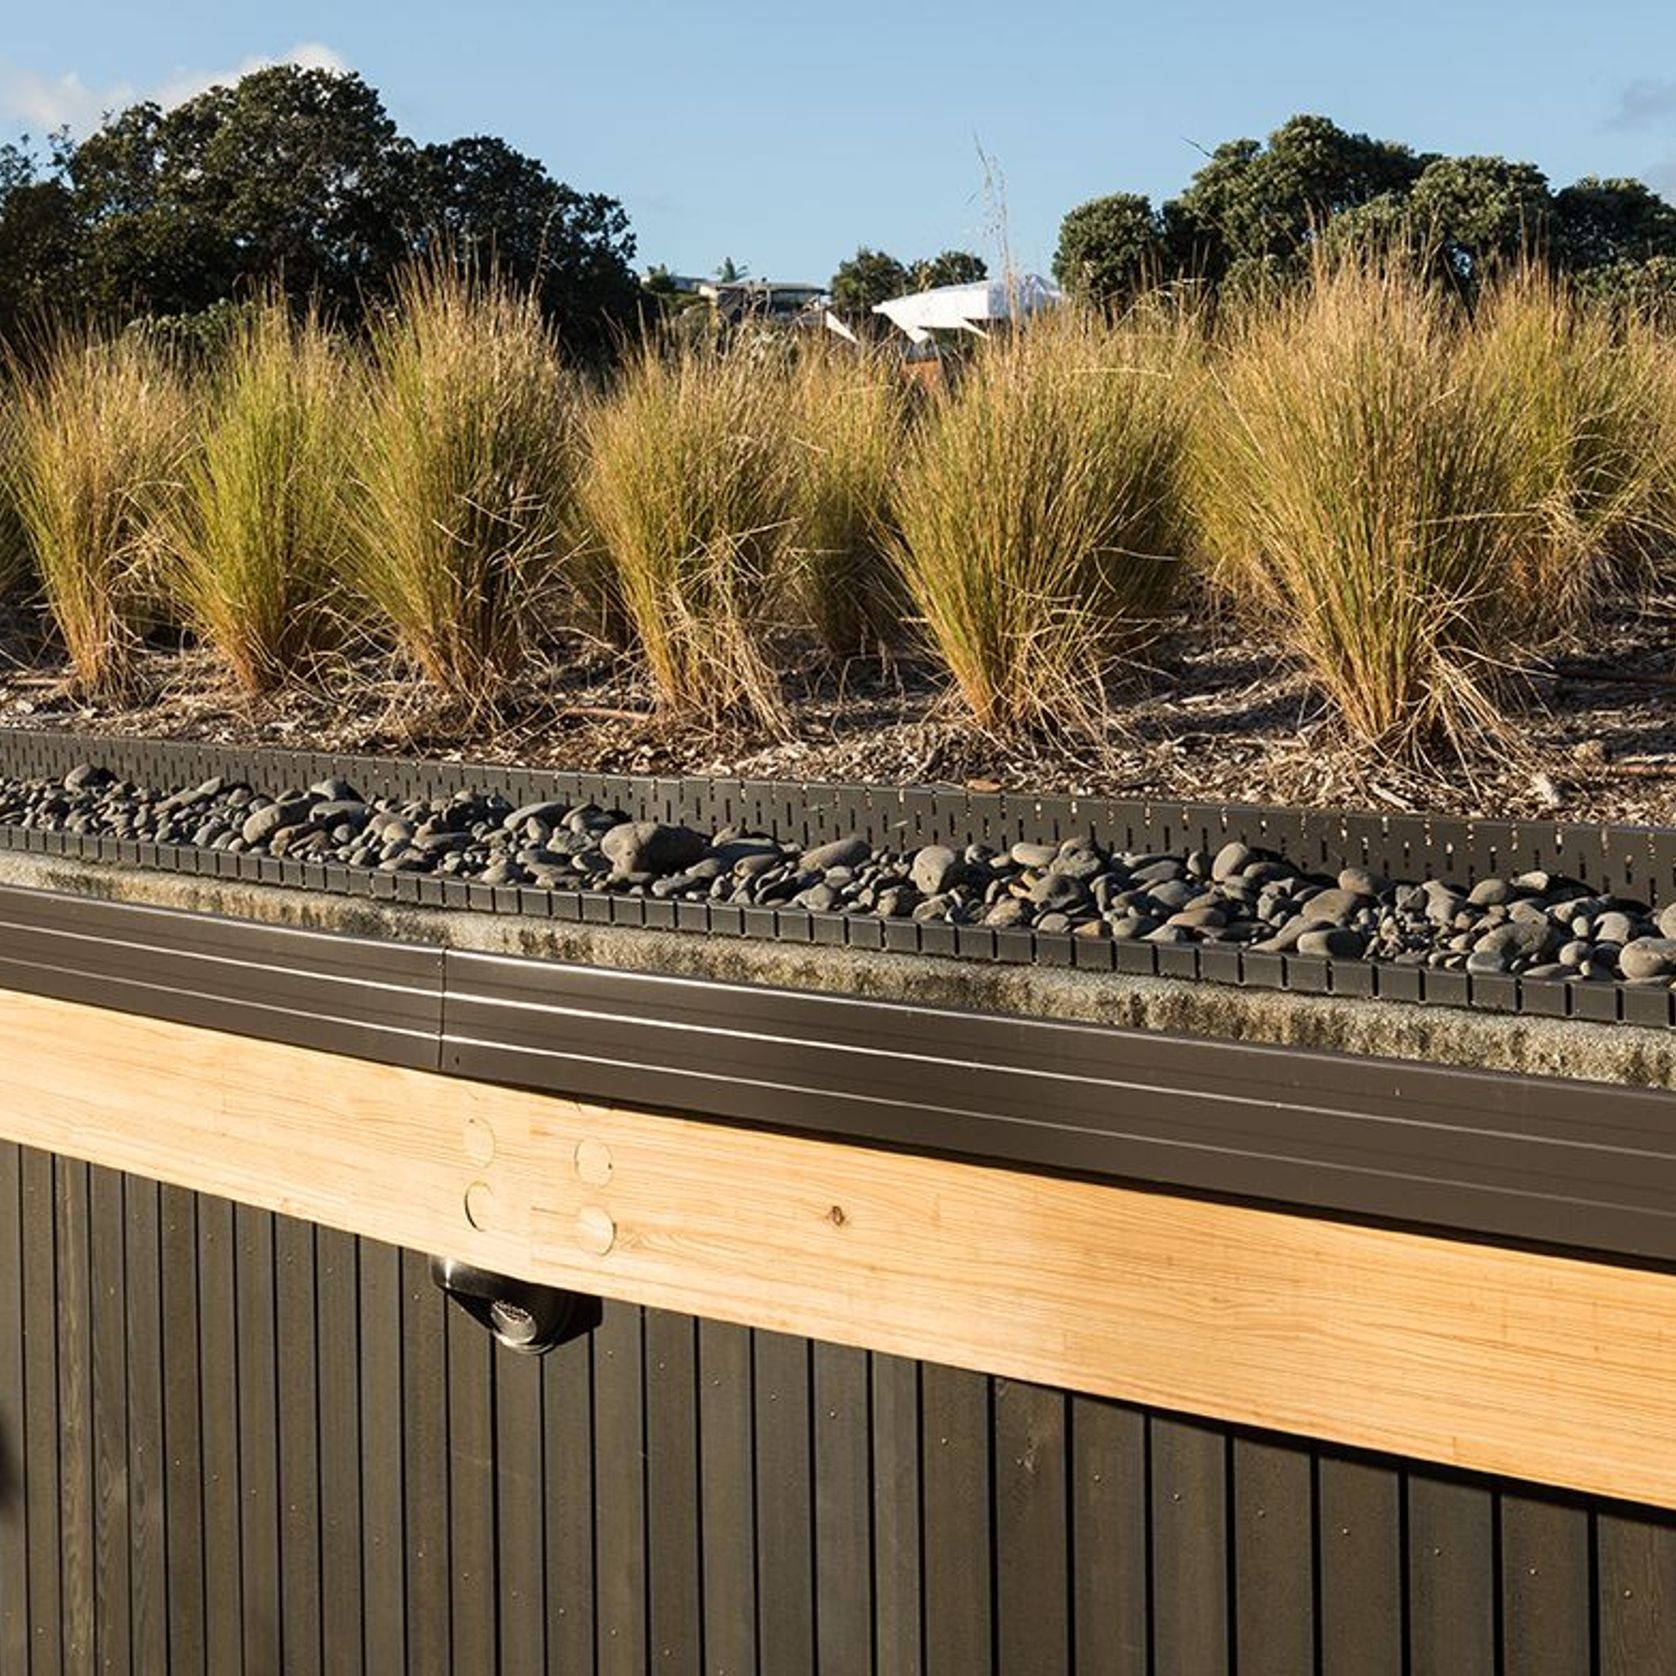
1584, 394
691, 491
466, 462
1362, 498
98, 428
1040, 512
847, 420
258, 542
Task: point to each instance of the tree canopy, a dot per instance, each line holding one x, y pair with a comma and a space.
874, 276
297, 176
1256, 207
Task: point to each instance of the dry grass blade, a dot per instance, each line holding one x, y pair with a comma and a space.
690, 491
258, 542
1357, 485
847, 417
467, 462
1583, 394
99, 425
1041, 511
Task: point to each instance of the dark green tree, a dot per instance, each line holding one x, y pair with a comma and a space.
1109, 247
1256, 200
493, 202
868, 277
1476, 211
1600, 223
952, 267
296, 175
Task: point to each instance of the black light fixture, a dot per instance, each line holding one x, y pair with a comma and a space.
523, 1316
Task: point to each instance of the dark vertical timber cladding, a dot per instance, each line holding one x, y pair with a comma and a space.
1109, 1537
567, 1400
1360, 1568
147, 1462
182, 1429
218, 1351
337, 1286
1637, 1594
674, 1583
727, 1499
40, 1412
520, 1533
75, 1413
108, 1271
761, 1504
957, 1538
1190, 1615
384, 1599
425, 1467
471, 1490
620, 1493
1032, 1526
1274, 1558
258, 1425
1545, 1588
14, 1536
785, 1511
299, 1445
1452, 1590
895, 1490
843, 1525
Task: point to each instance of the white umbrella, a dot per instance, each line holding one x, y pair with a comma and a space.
968, 308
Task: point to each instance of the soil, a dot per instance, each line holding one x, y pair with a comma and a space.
1589, 735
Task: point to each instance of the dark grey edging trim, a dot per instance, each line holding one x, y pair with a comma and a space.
1582, 1165
1630, 861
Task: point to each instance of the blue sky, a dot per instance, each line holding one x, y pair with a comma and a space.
784, 136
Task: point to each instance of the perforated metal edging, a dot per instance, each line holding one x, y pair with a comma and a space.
1637, 862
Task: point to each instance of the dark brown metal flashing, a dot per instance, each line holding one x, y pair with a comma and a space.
371, 999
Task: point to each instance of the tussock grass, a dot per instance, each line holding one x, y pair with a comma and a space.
98, 429
1041, 512
1361, 491
848, 423
691, 491
15, 568
258, 542
466, 462
1583, 394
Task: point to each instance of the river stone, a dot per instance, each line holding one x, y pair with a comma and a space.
1230, 861
1334, 941
1486, 962
265, 822
1335, 904
1667, 921
1488, 892
1528, 939
1614, 927
935, 869
1056, 891
1648, 957
651, 847
1085, 862
1009, 911
1358, 881
841, 852
1199, 919
1034, 855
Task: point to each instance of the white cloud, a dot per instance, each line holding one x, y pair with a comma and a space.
41, 102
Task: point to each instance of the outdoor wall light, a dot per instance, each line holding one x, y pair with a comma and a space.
523, 1316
